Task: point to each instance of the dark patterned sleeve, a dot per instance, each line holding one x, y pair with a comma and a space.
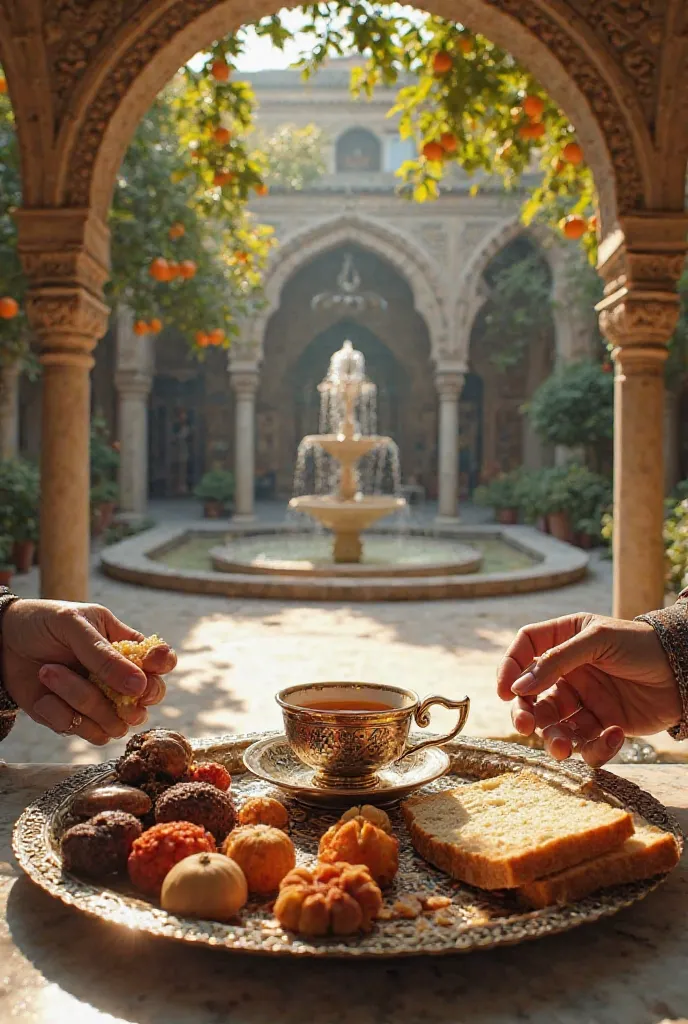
8, 709
671, 626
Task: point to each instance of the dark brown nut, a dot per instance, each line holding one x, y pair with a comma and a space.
111, 798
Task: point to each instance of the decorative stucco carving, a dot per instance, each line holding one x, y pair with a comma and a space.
66, 319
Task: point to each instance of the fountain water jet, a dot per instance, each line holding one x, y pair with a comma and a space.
346, 393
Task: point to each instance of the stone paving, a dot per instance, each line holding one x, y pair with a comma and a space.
235, 654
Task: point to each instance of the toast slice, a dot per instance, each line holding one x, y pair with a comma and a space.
503, 832
649, 852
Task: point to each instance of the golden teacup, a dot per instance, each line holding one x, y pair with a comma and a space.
347, 732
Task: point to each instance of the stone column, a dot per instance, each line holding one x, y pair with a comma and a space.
9, 410
449, 386
672, 469
244, 380
133, 378
64, 254
641, 264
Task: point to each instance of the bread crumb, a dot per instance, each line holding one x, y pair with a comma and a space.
436, 902
410, 907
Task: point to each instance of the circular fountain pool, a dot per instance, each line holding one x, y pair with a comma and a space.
310, 554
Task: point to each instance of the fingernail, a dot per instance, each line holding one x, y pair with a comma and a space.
524, 722
46, 674
134, 684
614, 739
525, 683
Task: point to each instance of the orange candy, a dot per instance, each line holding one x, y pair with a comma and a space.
160, 269
155, 326
574, 226
187, 269
141, 328
222, 135
534, 107
9, 307
433, 151
573, 153
449, 142
441, 63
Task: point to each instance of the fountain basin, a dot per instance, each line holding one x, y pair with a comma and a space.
344, 516
347, 449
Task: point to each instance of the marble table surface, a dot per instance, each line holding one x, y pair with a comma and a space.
57, 966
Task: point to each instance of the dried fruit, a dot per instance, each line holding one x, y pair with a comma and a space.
358, 841
375, 815
157, 755
156, 852
205, 885
100, 847
212, 772
334, 899
198, 802
264, 854
263, 810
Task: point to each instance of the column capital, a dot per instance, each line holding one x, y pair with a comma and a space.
244, 380
69, 321
449, 383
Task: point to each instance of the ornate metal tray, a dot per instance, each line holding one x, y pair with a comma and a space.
475, 919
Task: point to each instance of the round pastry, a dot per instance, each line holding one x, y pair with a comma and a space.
333, 899
155, 755
156, 852
205, 885
199, 802
212, 772
375, 815
111, 798
264, 854
358, 841
100, 847
263, 810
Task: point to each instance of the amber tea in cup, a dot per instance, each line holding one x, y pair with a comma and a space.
347, 732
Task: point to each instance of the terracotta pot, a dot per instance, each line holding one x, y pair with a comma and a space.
6, 576
584, 541
102, 517
22, 555
507, 516
213, 509
560, 526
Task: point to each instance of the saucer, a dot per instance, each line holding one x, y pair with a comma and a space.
272, 760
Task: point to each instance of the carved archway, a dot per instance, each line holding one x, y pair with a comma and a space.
396, 248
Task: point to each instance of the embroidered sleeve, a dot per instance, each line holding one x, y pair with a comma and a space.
671, 626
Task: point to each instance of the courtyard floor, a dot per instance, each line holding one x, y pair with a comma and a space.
234, 655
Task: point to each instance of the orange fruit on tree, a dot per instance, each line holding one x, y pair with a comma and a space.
217, 336
177, 230
241, 257
141, 328
449, 142
433, 151
155, 326
262, 189
534, 107
219, 69
9, 307
3, 84
222, 178
442, 63
466, 45
222, 135
574, 226
572, 153
532, 130
159, 269
201, 339
187, 269
173, 270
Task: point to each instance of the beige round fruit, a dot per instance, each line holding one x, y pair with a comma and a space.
205, 885
263, 853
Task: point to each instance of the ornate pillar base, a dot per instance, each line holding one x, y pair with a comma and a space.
638, 315
244, 380
449, 386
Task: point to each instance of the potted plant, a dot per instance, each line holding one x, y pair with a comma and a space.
20, 499
216, 491
6, 568
500, 494
103, 502
531, 495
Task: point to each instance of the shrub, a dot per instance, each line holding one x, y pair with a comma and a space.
571, 488
216, 485
575, 406
19, 499
676, 546
500, 493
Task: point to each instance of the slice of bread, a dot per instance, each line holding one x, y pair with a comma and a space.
503, 832
647, 853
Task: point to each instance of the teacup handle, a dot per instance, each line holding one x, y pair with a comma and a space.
422, 717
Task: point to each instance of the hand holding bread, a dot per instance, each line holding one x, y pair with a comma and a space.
586, 681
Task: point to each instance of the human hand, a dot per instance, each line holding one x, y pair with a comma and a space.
585, 682
48, 650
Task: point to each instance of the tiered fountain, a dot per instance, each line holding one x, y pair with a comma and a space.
347, 397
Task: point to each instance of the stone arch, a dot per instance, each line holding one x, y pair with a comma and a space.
396, 248
608, 88
371, 149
